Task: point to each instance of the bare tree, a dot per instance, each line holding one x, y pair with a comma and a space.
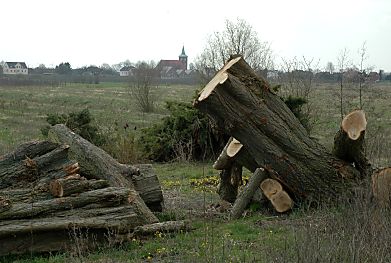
297, 79
343, 60
238, 37
330, 67
363, 57
142, 84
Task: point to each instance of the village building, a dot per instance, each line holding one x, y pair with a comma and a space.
126, 71
174, 69
15, 68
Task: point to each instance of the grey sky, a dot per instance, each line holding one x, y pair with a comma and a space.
85, 32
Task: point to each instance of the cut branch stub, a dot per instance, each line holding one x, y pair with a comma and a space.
234, 147
354, 123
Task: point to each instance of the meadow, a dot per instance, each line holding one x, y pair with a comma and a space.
352, 232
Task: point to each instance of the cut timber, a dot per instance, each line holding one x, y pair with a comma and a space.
95, 163
281, 202
349, 142
23, 173
163, 227
55, 233
381, 186
29, 149
111, 196
248, 192
270, 187
244, 107
71, 185
273, 191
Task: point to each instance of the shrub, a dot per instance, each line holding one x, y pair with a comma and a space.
187, 134
78, 122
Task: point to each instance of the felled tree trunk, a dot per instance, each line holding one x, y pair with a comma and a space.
74, 184
96, 163
242, 104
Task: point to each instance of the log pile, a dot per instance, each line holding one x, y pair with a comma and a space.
266, 135
49, 201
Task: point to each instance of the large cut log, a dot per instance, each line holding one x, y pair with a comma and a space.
110, 196
74, 184
95, 163
243, 106
248, 192
95, 226
349, 142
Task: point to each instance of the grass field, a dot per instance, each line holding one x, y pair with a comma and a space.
349, 233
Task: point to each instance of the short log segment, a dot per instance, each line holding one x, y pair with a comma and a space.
242, 104
248, 192
280, 199
349, 142
70, 185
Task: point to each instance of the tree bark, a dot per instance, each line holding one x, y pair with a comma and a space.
66, 186
242, 104
248, 192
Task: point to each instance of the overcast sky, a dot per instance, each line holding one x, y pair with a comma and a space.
85, 32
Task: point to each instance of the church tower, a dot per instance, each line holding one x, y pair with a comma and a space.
183, 58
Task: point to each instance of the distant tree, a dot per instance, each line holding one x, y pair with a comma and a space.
42, 66
330, 67
142, 84
63, 68
238, 37
363, 57
343, 60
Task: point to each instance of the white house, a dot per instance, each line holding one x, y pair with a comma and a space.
13, 68
126, 71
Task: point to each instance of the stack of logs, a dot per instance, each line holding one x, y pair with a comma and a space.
48, 200
266, 138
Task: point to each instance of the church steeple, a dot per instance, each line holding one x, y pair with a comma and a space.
183, 57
